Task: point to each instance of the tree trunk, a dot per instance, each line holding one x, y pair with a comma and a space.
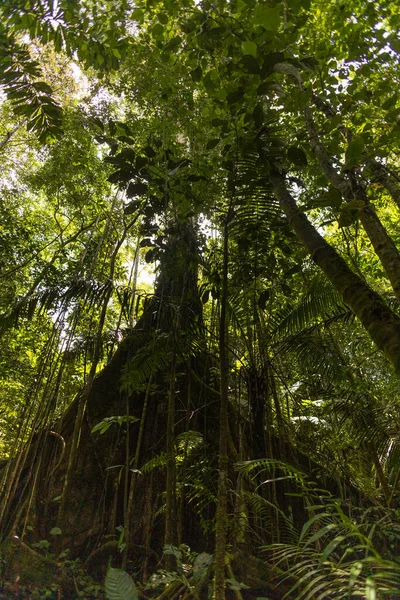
96, 485
382, 243
381, 174
382, 324
11, 133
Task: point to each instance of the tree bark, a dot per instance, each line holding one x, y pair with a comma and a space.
382, 324
94, 500
382, 243
11, 133
381, 175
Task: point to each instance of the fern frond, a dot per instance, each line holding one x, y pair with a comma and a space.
253, 468
158, 462
153, 357
335, 557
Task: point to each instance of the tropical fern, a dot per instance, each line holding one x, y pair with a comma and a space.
341, 551
335, 557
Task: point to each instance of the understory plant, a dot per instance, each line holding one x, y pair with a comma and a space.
342, 551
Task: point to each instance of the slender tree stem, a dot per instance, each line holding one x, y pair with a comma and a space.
222, 506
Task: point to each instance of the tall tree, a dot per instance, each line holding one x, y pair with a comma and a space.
273, 124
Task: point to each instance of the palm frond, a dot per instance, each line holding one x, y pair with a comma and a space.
365, 419
157, 462
51, 298
254, 468
320, 303
268, 512
314, 352
335, 556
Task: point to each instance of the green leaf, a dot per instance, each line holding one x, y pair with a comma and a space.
58, 40
297, 156
120, 586
331, 547
264, 88
131, 207
269, 18
121, 176
235, 96
296, 5
141, 162
138, 15
163, 18
395, 131
128, 154
250, 63
189, 26
323, 531
173, 44
370, 589
41, 86
106, 423
354, 151
350, 212
334, 198
157, 31
101, 427
263, 299
347, 218
126, 139
308, 524
136, 189
115, 160
390, 102
395, 45
249, 48
196, 74
151, 255
212, 143
355, 570
149, 151
55, 531
201, 565
270, 61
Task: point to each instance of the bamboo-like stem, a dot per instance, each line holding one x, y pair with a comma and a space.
130, 503
170, 491
84, 396
222, 505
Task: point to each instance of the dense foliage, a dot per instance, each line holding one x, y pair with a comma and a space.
248, 406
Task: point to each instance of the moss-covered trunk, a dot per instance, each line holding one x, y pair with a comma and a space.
97, 485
